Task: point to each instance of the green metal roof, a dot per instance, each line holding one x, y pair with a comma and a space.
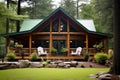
30, 25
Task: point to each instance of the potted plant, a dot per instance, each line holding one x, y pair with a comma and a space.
19, 49
54, 51
64, 50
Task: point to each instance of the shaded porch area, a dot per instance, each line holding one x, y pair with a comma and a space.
66, 56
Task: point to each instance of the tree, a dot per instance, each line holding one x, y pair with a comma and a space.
12, 15
6, 15
2, 18
101, 11
69, 6
18, 12
78, 4
87, 11
116, 57
39, 8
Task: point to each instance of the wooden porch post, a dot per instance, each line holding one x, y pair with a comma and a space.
107, 45
87, 42
103, 43
68, 37
59, 24
30, 43
8, 44
50, 45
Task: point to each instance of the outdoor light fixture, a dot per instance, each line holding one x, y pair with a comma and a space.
47, 41
33, 42
70, 41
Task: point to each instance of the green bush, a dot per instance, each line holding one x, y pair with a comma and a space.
86, 56
11, 55
101, 57
64, 50
54, 50
33, 56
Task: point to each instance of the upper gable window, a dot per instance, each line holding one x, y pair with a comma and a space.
59, 25
55, 25
46, 28
72, 29
63, 25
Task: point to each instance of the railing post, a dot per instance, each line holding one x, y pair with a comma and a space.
30, 43
50, 45
87, 42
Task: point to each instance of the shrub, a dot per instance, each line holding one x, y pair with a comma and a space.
64, 50
11, 55
86, 56
101, 58
54, 50
33, 56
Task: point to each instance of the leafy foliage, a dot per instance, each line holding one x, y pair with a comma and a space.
101, 58
39, 8
69, 6
54, 50
64, 50
86, 56
33, 56
102, 13
11, 14
11, 55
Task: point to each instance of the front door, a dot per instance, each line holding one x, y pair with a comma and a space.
58, 44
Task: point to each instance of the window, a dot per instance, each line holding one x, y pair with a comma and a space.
42, 43
46, 28
63, 25
76, 43
55, 25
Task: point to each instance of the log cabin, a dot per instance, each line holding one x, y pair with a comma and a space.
58, 29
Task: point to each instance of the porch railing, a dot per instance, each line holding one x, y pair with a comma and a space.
91, 51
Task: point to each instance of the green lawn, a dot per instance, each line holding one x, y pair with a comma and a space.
49, 73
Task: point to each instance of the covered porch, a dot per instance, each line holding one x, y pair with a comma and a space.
47, 40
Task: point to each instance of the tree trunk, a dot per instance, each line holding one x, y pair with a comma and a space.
77, 10
18, 12
7, 26
7, 20
116, 56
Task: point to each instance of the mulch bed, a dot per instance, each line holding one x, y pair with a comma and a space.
94, 65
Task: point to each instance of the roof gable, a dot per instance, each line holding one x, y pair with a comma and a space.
28, 24
32, 24
36, 23
54, 12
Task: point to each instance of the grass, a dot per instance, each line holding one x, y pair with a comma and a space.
49, 73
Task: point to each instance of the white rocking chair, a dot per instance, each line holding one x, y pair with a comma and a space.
78, 51
41, 51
